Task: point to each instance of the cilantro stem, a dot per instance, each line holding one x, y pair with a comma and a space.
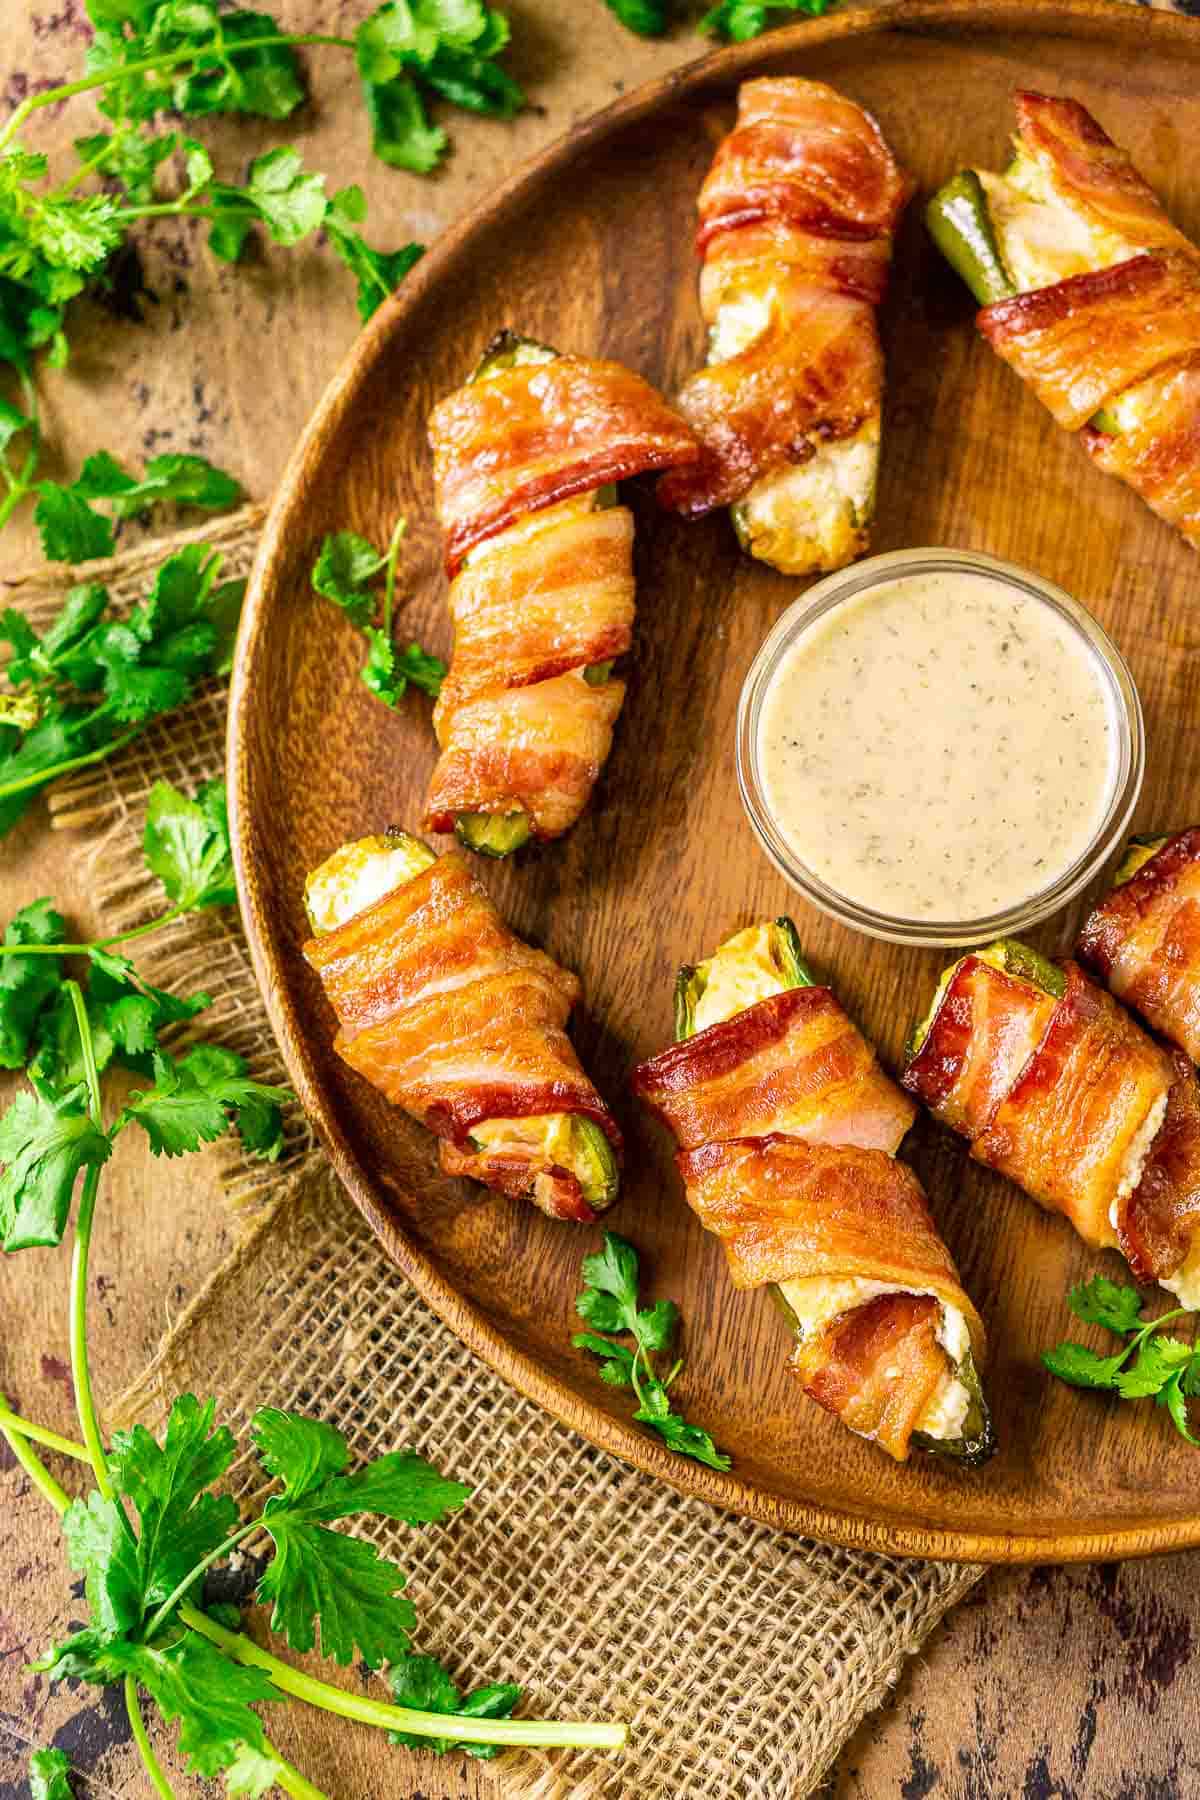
133, 1707
35, 1468
168, 59
41, 777
544, 1733
120, 937
291, 1780
85, 1404
389, 579
41, 1434
172, 1601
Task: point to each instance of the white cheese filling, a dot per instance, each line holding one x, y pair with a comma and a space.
1042, 237
816, 1301
740, 976
1185, 1282
358, 875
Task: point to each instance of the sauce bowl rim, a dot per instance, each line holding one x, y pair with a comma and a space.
849, 584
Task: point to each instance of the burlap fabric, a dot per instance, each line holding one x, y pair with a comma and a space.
742, 1658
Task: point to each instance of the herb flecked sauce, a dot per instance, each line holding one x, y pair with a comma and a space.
942, 747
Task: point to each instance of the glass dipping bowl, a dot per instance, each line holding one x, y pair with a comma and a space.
878, 571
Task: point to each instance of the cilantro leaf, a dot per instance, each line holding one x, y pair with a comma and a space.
211, 1696
321, 1575
1174, 1398
417, 668
100, 1548
1158, 1358
1081, 1367
278, 194
655, 1326
251, 1773
377, 272
186, 844
45, 1140
212, 76
310, 1459
737, 20
345, 564
420, 1682
690, 1440
49, 1776
27, 982
196, 1098
184, 479
401, 134
611, 1271
647, 17
1114, 1304
181, 1522
69, 529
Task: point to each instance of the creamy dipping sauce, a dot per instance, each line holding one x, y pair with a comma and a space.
940, 747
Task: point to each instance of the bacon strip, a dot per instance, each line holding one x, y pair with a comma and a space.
542, 586
787, 1129
532, 749
986, 1028
1143, 941
1064, 1122
789, 1211
445, 1010
1157, 450
797, 212
1091, 173
1157, 1225
539, 433
1085, 340
794, 1063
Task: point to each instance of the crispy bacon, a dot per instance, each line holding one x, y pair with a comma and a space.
802, 152
877, 1368
1091, 173
1143, 941
793, 1063
1066, 1123
452, 1017
796, 214
539, 433
790, 1211
1085, 340
532, 749
1158, 1223
1157, 450
986, 1028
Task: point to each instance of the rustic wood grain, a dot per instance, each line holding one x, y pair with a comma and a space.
231, 363
590, 249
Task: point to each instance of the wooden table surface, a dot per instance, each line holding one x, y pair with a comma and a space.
1045, 1683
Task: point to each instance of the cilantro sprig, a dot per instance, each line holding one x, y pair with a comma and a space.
609, 1302
1166, 1367
159, 1522
346, 567
59, 232
87, 685
732, 20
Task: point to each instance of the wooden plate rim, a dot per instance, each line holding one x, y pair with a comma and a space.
1077, 18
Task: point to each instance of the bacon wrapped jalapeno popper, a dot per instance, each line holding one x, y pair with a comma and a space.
540, 557
1091, 294
787, 1131
444, 1009
1143, 939
796, 222
1057, 1087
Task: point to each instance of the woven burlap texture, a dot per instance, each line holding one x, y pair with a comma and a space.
742, 1658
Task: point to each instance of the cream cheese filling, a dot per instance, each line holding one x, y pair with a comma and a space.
1135, 1161
817, 1300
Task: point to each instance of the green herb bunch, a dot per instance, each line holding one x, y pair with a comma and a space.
145, 1538
92, 681
1148, 1363
734, 21
345, 568
60, 232
609, 1302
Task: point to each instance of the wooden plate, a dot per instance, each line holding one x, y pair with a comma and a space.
590, 248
